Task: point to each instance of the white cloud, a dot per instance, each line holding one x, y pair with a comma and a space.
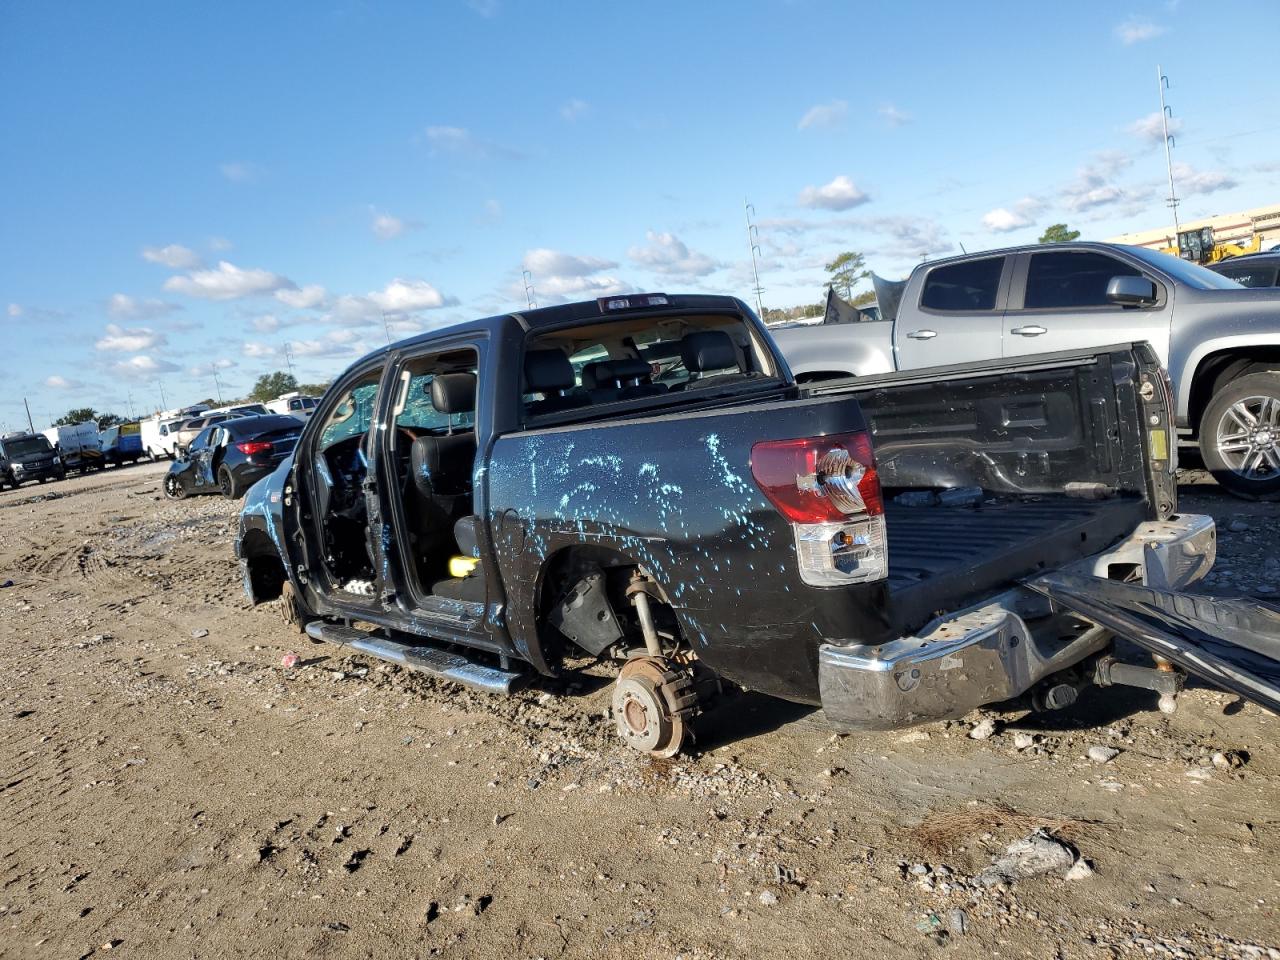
238, 171
257, 350
125, 307
1004, 219
1136, 29
1095, 183
121, 340
219, 244
1190, 181
226, 281
402, 296
211, 367
492, 212
667, 254
544, 262
306, 298
561, 289
14, 310
175, 255
911, 237
142, 367
824, 115
266, 323
573, 109
61, 383
839, 194
893, 116
1149, 129
335, 343
460, 140
386, 226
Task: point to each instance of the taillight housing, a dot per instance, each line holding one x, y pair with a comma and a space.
828, 488
250, 447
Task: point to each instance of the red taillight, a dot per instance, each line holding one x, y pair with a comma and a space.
250, 447
819, 479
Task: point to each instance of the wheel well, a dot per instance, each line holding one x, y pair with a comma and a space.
1218, 369
564, 569
266, 570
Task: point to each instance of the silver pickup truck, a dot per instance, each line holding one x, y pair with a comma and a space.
1219, 341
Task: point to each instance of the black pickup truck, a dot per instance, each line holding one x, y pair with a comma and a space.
641, 478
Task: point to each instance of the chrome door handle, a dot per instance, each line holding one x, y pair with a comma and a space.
922, 334
1032, 331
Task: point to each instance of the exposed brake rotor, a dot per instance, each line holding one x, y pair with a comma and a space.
652, 704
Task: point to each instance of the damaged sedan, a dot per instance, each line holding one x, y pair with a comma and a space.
640, 478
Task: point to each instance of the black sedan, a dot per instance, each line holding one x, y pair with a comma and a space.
230, 457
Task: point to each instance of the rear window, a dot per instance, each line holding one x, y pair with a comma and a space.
642, 359
1256, 276
251, 426
971, 285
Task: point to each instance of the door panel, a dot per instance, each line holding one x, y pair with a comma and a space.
959, 315
1058, 302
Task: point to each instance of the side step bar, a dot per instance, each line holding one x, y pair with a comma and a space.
440, 663
1232, 643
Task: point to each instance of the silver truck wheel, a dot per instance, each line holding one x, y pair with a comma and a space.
1240, 436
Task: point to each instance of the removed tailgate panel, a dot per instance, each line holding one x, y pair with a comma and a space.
1233, 644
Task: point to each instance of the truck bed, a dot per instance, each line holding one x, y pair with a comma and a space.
943, 557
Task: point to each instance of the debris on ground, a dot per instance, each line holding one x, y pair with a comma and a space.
983, 729
1100, 754
1032, 856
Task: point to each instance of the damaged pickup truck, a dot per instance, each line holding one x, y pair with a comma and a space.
640, 478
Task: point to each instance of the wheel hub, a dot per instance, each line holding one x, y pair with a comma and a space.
651, 703
1248, 437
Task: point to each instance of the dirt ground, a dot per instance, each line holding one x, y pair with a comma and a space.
169, 790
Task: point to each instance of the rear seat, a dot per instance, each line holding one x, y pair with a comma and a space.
625, 379
550, 373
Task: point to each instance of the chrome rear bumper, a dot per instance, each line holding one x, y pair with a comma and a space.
1003, 647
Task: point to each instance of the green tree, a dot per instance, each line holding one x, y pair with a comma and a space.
271, 385
864, 298
109, 420
846, 270
77, 415
1058, 233
313, 389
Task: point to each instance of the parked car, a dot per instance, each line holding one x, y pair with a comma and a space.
294, 404
232, 455
188, 430
1219, 341
28, 456
491, 502
1253, 270
121, 444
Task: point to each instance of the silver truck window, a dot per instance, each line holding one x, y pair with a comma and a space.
1062, 279
970, 285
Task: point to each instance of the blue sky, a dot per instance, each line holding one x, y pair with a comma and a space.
190, 187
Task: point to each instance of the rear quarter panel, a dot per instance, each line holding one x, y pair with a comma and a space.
856, 349
675, 495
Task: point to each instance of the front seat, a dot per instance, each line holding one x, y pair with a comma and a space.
707, 350
441, 467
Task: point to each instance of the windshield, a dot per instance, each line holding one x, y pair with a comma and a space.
1192, 274
26, 447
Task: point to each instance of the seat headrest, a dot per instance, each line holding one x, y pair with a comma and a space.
547, 371
629, 368
454, 392
708, 350
597, 375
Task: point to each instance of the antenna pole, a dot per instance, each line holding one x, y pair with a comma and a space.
29, 423
288, 356
527, 277
1162, 82
753, 244
217, 385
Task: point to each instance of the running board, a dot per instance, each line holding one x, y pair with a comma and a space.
428, 659
1232, 643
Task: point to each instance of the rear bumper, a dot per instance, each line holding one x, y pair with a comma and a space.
1003, 647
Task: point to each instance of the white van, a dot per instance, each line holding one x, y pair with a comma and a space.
294, 405
160, 434
78, 445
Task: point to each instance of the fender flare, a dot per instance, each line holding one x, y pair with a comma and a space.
1185, 377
